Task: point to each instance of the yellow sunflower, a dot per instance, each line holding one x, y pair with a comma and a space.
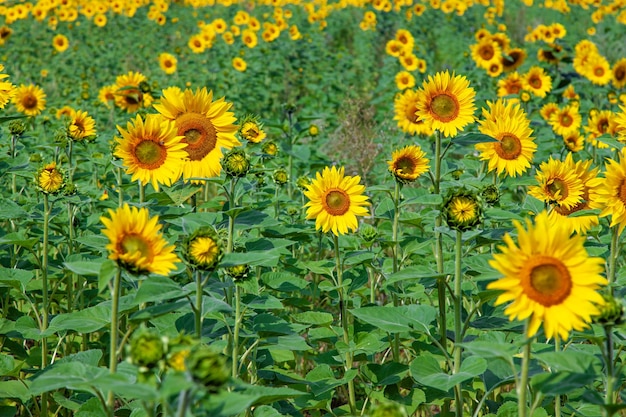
204, 249
151, 151
514, 147
610, 196
574, 142
550, 278
600, 123
7, 89
446, 102
404, 80
510, 85
50, 179
128, 92
106, 95
29, 99
168, 63
239, 64
207, 127
598, 70
405, 107
408, 163
60, 43
548, 110
537, 81
485, 52
335, 201
619, 73
82, 126
513, 59
620, 124
252, 131
558, 183
566, 120
136, 243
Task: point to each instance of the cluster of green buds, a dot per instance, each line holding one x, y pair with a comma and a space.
204, 249
462, 210
236, 163
17, 128
368, 233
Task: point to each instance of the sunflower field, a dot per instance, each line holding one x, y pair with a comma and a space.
309, 208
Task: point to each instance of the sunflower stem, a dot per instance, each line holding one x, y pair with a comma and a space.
557, 398
115, 297
120, 194
70, 276
458, 321
523, 381
231, 217
396, 254
142, 193
441, 285
44, 293
276, 202
610, 371
198, 309
343, 311
613, 256
235, 355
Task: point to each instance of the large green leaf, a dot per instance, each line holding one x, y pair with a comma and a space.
159, 288
396, 319
15, 389
15, 278
426, 370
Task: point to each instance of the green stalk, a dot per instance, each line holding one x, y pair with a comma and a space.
523, 381
115, 298
70, 275
458, 323
44, 291
183, 403
613, 256
344, 324
557, 398
610, 371
198, 309
142, 193
276, 202
120, 193
231, 218
396, 254
235, 355
441, 285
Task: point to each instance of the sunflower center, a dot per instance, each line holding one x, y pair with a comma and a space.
619, 74
133, 243
337, 202
29, 102
603, 126
445, 107
622, 192
509, 147
598, 71
557, 188
405, 165
200, 135
133, 96
564, 211
548, 280
150, 154
566, 120
487, 52
535, 82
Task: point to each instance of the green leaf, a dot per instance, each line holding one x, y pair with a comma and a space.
159, 288
91, 408
283, 281
84, 321
15, 389
18, 239
266, 411
610, 141
472, 139
385, 374
107, 272
15, 278
84, 268
11, 210
314, 317
397, 319
426, 370
324, 267
269, 259
571, 360
560, 383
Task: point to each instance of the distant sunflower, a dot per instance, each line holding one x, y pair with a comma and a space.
335, 201
204, 249
619, 73
558, 183
537, 82
570, 93
566, 120
600, 123
574, 141
408, 163
106, 95
252, 131
82, 126
168, 63
128, 93
598, 70
620, 124
136, 243
404, 80
207, 127
510, 85
550, 278
239, 64
610, 197
547, 110
405, 107
485, 52
50, 179
7, 89
513, 59
514, 147
249, 38
446, 102
409, 61
151, 151
60, 43
29, 99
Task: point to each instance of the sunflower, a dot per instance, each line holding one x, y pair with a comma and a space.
548, 110
335, 200
239, 64
128, 93
249, 38
404, 80
29, 99
566, 120
204, 249
50, 179
167, 62
513, 59
620, 124
619, 73
405, 106
136, 243
462, 210
610, 196
558, 183
207, 127
537, 82
570, 93
106, 95
510, 85
598, 124
82, 126
7, 89
408, 61
574, 141
60, 43
151, 151
446, 102
405, 38
252, 131
598, 70
485, 52
514, 148
550, 278
408, 163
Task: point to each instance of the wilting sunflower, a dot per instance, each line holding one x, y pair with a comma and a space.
7, 89
408, 163
168, 63
128, 92
60, 43
537, 81
50, 179
405, 107
610, 196
513, 59
335, 200
29, 99
550, 278
446, 102
207, 127
514, 148
619, 73
558, 183
151, 150
82, 126
136, 243
566, 120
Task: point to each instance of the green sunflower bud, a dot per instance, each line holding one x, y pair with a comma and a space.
490, 194
208, 367
17, 128
236, 163
303, 182
238, 272
147, 348
270, 148
611, 313
462, 210
280, 176
368, 232
204, 249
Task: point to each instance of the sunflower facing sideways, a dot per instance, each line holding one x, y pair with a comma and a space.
29, 99
558, 183
206, 126
136, 243
550, 278
335, 201
446, 102
405, 106
7, 89
513, 150
610, 196
82, 126
151, 150
408, 163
